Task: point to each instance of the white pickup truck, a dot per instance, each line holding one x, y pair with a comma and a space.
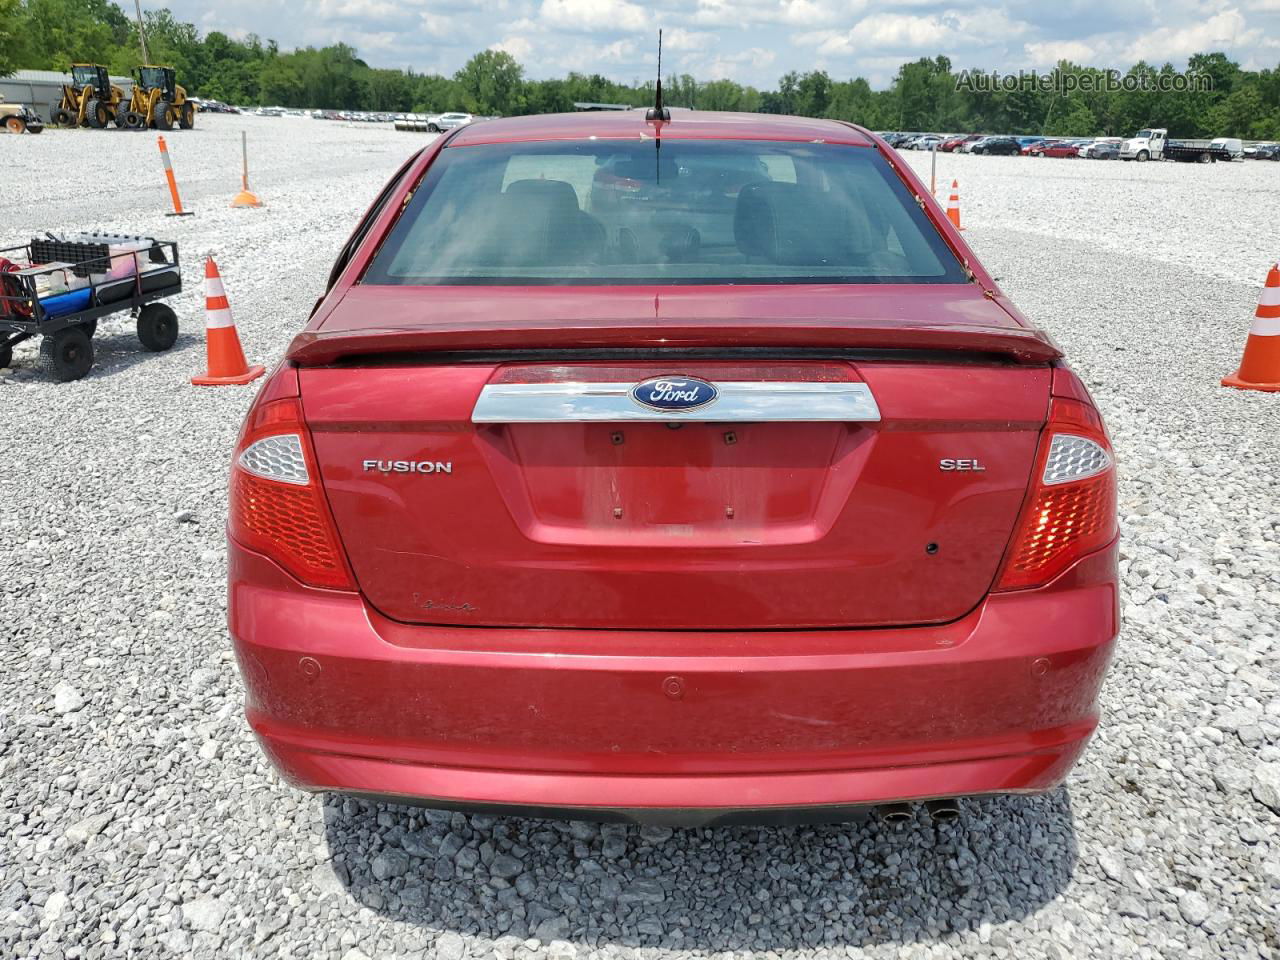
1154, 144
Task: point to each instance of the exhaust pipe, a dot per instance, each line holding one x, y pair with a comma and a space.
944, 811
895, 813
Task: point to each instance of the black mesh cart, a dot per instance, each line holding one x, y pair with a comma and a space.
58, 286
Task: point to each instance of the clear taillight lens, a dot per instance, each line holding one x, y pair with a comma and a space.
277, 458
1073, 458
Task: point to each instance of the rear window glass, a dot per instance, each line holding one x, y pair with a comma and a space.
694, 211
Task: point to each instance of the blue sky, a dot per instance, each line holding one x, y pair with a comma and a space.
755, 41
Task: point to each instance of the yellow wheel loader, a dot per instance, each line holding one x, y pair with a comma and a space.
90, 100
159, 102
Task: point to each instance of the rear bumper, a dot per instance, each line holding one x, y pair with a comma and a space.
688, 727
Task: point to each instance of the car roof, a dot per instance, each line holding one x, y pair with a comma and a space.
684, 125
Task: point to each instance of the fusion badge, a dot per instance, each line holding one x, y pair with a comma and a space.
408, 466
674, 394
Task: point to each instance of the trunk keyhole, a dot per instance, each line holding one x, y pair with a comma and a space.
730, 438
931, 548
616, 437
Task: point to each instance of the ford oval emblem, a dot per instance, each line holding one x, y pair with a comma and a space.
673, 394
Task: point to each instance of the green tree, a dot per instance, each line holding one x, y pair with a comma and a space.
12, 17
492, 82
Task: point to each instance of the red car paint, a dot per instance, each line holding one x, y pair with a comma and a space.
687, 625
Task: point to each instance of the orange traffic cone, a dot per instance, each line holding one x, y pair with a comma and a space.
226, 360
245, 198
953, 205
1260, 367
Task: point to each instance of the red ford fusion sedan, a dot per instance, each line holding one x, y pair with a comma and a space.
690, 471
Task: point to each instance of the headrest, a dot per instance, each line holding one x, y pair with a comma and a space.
557, 193
797, 225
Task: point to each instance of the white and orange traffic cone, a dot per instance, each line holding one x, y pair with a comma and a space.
953, 205
1260, 366
178, 211
226, 360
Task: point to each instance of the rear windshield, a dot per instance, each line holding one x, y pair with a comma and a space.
692, 212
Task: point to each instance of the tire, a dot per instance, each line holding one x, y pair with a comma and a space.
36, 127
15, 125
66, 355
62, 118
122, 113
1143, 156
187, 116
157, 327
6, 355
97, 114
133, 120
432, 128
162, 115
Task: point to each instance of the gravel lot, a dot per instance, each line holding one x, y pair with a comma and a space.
138, 817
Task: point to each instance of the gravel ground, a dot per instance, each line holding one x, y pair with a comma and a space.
139, 818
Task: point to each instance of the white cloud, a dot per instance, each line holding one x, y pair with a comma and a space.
1048, 54
755, 41
595, 15
1224, 31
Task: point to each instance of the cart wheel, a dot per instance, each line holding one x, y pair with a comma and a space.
66, 355
6, 355
157, 327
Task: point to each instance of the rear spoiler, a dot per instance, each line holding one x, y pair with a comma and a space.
1022, 345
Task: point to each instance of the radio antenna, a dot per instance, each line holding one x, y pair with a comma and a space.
658, 113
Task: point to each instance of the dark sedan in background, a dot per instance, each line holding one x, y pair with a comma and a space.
1005, 146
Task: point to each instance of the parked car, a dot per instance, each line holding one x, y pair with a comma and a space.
1003, 146
1103, 150
1089, 149
949, 144
1267, 151
1038, 148
447, 121
614, 497
1062, 149
1028, 141
970, 145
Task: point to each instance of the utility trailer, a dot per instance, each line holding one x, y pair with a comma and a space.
58, 287
1155, 144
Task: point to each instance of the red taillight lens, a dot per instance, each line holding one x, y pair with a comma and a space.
1071, 509
277, 506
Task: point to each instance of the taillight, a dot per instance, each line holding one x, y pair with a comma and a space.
277, 507
1071, 508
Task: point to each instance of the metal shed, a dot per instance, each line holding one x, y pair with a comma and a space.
41, 90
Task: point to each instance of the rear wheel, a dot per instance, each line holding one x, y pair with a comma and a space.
162, 115
66, 355
15, 124
98, 114
432, 128
187, 116
133, 120
62, 118
157, 327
